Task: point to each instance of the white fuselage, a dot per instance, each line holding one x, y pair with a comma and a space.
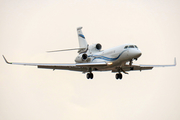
116, 55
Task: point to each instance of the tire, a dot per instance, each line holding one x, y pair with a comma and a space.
91, 75
117, 76
120, 76
88, 75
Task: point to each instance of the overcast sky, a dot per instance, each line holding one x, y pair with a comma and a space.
29, 28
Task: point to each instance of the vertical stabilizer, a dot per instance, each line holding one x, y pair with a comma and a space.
81, 38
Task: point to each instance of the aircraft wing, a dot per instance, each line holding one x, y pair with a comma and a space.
160, 65
83, 67
135, 67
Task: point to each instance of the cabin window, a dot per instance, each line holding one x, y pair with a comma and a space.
125, 47
135, 46
131, 46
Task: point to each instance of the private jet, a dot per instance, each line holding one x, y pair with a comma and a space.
92, 58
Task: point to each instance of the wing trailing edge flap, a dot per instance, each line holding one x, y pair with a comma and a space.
132, 68
75, 67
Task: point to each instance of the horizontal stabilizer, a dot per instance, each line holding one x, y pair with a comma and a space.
67, 49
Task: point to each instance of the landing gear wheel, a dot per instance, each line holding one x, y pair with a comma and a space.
89, 75
118, 76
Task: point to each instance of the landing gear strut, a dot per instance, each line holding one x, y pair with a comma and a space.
118, 76
89, 75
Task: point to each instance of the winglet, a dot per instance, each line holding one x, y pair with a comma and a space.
174, 61
6, 60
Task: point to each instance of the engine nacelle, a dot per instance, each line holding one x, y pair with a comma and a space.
98, 46
95, 47
82, 58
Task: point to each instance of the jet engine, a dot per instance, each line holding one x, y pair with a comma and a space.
95, 47
98, 46
82, 58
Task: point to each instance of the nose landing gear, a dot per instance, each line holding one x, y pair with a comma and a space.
89, 75
118, 76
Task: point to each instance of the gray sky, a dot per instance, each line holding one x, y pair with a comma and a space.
29, 28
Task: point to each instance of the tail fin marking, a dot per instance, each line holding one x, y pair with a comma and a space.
81, 38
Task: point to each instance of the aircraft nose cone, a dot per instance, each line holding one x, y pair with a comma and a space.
134, 53
138, 53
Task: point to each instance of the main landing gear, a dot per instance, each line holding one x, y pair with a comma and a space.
118, 76
89, 75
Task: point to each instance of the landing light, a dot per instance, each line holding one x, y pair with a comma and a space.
109, 63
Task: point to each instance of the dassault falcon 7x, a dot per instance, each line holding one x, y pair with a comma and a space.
91, 58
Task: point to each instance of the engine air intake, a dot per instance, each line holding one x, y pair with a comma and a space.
98, 46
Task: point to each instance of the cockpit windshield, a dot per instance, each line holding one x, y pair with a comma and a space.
130, 46
125, 47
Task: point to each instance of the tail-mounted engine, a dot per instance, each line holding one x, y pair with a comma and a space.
95, 47
98, 46
82, 58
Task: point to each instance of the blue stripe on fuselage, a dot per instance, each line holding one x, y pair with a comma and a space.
106, 58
